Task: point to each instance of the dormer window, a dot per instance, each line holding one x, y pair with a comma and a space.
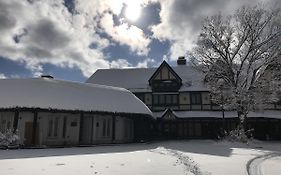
165, 79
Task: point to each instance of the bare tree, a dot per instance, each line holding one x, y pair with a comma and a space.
236, 51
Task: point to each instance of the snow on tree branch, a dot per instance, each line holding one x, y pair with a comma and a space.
240, 50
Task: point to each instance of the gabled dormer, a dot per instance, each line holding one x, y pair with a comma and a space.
165, 79
168, 114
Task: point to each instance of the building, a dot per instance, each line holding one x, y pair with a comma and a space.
181, 102
53, 112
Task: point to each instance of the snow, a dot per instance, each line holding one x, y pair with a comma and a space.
265, 164
136, 79
271, 166
218, 114
199, 157
65, 95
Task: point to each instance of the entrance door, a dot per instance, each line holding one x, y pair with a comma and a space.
87, 130
28, 134
170, 130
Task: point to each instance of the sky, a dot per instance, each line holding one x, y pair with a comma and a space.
71, 39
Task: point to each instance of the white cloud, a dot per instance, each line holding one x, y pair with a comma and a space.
181, 20
45, 32
37, 32
119, 63
2, 76
126, 34
146, 63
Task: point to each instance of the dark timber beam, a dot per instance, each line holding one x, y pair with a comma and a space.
92, 128
16, 120
113, 127
34, 127
81, 127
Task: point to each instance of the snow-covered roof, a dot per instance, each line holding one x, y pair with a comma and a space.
218, 114
48, 93
136, 79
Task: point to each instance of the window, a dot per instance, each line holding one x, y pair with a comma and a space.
53, 125
165, 99
169, 99
195, 98
103, 127
106, 125
175, 99
50, 128
155, 99
161, 99
108, 128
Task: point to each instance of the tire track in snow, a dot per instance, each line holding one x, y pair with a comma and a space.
254, 165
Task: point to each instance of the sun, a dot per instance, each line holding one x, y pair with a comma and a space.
133, 11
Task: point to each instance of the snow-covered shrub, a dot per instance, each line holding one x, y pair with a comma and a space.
238, 135
9, 138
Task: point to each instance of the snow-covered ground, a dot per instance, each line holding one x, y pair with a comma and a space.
199, 157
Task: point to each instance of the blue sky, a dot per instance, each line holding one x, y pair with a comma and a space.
71, 39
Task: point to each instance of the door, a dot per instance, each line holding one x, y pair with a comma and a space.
170, 130
28, 134
86, 129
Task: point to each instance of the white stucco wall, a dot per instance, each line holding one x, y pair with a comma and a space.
72, 127
206, 98
98, 135
184, 98
148, 99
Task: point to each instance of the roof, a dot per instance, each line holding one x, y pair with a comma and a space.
218, 114
49, 93
136, 79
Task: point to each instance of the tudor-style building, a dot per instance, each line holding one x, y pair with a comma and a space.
181, 102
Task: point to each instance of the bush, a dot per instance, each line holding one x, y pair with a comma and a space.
238, 135
9, 139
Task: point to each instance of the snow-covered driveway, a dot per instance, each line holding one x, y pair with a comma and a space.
268, 164
193, 157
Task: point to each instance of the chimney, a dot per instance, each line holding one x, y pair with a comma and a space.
47, 76
181, 61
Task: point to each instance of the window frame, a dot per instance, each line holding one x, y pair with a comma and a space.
197, 100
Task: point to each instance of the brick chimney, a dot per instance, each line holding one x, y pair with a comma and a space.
47, 76
181, 61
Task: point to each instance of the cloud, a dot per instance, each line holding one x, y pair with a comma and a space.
119, 63
122, 63
181, 20
2, 76
38, 32
48, 36
148, 62
126, 34
35, 32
